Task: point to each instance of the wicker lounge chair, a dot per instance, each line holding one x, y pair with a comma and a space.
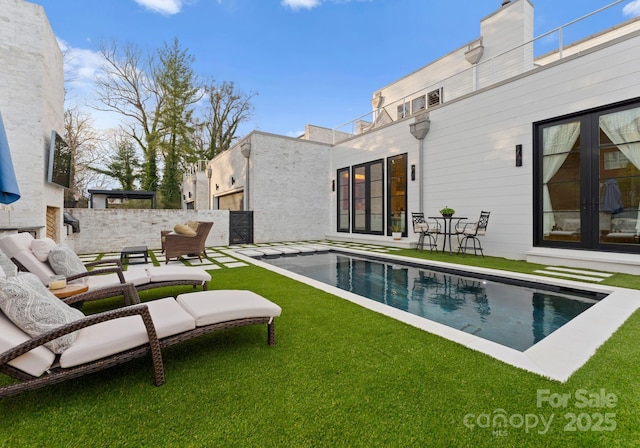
175, 244
114, 337
104, 273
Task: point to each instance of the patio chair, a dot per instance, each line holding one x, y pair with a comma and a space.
469, 232
176, 245
425, 230
107, 272
99, 341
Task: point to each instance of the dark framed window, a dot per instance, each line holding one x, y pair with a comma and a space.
344, 200
397, 194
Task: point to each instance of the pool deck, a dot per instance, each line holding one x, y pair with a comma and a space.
557, 356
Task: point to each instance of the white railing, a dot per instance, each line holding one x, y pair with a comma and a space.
546, 48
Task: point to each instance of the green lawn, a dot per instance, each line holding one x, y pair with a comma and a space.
339, 375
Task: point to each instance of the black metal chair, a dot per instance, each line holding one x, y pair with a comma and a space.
469, 232
425, 230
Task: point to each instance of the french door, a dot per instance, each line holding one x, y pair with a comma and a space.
368, 198
587, 170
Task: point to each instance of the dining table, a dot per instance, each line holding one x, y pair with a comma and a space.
448, 228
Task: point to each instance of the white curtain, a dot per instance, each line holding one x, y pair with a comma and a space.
623, 129
557, 142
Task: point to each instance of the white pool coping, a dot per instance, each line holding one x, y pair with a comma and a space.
557, 356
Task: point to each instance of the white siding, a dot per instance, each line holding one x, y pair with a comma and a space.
470, 150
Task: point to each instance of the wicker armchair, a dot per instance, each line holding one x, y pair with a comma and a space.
176, 245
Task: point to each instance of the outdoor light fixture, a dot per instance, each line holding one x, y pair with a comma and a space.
217, 186
333, 185
233, 181
184, 197
413, 172
518, 155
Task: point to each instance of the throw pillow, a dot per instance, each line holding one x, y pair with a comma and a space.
41, 248
193, 225
65, 262
7, 266
183, 229
35, 310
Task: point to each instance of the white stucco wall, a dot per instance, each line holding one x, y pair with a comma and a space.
32, 105
469, 158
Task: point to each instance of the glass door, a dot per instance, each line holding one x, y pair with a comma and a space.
368, 198
588, 174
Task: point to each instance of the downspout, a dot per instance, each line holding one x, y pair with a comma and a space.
245, 149
419, 129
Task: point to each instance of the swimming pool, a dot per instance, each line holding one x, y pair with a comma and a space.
514, 315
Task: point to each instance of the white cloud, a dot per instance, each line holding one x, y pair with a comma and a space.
80, 65
169, 7
632, 9
300, 4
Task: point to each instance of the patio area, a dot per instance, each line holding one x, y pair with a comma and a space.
339, 375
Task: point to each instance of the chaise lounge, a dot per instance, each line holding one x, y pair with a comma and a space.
34, 255
114, 337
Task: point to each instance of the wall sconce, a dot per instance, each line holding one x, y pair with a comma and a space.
217, 186
233, 181
189, 194
518, 155
184, 197
333, 185
413, 172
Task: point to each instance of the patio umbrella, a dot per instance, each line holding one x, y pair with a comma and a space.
9, 191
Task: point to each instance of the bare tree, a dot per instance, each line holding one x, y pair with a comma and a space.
82, 139
124, 87
225, 110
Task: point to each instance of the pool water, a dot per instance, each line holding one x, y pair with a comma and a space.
516, 316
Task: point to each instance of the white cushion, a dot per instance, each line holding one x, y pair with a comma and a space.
169, 318
209, 307
105, 339
137, 277
34, 362
41, 248
66, 262
172, 273
114, 336
35, 310
16, 242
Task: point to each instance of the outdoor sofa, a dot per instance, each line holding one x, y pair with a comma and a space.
111, 338
34, 255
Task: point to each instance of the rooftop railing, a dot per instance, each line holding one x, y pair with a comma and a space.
542, 50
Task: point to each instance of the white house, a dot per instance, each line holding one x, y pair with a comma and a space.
548, 143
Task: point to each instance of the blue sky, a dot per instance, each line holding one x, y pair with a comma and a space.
310, 61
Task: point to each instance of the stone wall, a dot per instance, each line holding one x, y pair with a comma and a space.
110, 230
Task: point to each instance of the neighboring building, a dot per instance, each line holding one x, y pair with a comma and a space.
32, 105
548, 144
